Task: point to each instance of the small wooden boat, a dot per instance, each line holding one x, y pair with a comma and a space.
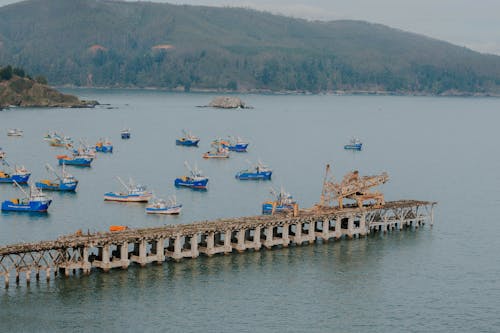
195, 180
257, 172
15, 132
35, 201
218, 151
188, 140
63, 182
282, 203
17, 174
125, 133
134, 193
354, 144
161, 206
104, 146
115, 228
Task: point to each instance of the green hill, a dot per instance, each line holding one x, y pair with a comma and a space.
111, 43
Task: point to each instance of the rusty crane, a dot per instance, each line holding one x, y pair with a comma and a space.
352, 187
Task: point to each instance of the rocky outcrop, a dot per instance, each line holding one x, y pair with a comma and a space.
26, 92
227, 102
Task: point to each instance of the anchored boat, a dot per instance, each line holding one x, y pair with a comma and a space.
257, 172
218, 151
104, 146
125, 133
282, 203
15, 132
35, 201
134, 193
2, 154
17, 174
195, 180
161, 206
77, 160
354, 144
234, 144
63, 182
188, 140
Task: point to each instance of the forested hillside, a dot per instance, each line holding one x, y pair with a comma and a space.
112, 43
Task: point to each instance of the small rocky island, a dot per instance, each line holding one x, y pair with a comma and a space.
227, 102
18, 89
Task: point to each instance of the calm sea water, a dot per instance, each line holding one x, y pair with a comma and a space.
434, 280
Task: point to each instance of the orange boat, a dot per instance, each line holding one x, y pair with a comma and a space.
114, 228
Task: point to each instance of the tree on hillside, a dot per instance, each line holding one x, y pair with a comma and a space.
41, 79
6, 73
19, 72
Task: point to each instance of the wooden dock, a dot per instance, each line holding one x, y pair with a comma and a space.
87, 252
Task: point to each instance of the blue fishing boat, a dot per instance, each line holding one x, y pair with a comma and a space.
134, 193
125, 133
234, 144
17, 174
354, 144
78, 159
283, 203
35, 201
188, 140
195, 180
161, 206
257, 172
104, 146
63, 182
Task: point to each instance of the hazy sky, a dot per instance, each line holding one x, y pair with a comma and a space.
471, 23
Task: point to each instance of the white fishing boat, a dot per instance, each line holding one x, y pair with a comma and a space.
161, 206
134, 193
15, 132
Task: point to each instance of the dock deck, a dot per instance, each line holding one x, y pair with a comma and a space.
107, 250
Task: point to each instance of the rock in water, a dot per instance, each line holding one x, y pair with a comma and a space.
227, 102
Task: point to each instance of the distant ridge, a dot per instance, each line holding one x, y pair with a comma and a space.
142, 44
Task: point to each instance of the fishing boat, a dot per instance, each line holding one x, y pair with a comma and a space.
161, 206
17, 174
79, 158
282, 203
35, 201
125, 133
234, 144
104, 146
256, 172
195, 180
2, 154
218, 151
134, 193
60, 141
85, 149
188, 140
354, 144
63, 182
15, 132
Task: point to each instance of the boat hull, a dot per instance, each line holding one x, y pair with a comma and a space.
76, 161
20, 179
57, 186
210, 155
111, 196
239, 147
199, 184
33, 206
254, 175
125, 135
353, 147
174, 210
187, 143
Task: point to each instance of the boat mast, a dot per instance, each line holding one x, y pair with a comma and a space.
22, 189
123, 183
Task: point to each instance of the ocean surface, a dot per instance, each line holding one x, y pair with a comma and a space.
440, 279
